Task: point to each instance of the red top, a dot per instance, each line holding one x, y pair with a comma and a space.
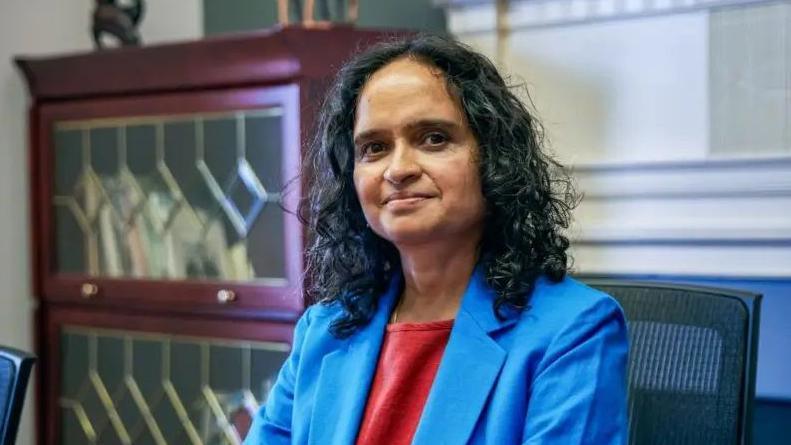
410, 356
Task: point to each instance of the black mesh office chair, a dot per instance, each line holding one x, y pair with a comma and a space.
692, 362
15, 368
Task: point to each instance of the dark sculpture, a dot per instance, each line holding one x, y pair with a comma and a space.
120, 22
329, 11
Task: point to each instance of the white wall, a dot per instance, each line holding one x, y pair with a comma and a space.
34, 28
619, 87
588, 80
660, 115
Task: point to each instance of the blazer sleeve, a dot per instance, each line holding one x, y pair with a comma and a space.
579, 393
272, 424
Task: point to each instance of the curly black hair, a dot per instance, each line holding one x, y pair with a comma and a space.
529, 196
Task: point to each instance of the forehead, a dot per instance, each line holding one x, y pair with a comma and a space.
403, 91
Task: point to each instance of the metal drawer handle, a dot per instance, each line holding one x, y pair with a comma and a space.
225, 296
89, 290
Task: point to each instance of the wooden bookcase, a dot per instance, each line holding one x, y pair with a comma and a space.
167, 258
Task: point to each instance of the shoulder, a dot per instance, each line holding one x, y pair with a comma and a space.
323, 312
569, 310
313, 327
569, 300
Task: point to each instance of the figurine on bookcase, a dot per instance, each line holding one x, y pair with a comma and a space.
115, 24
329, 12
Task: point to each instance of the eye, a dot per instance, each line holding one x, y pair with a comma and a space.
435, 138
372, 148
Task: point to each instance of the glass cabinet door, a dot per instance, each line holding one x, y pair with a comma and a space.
171, 197
197, 196
161, 386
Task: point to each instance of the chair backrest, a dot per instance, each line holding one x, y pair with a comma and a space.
693, 352
15, 369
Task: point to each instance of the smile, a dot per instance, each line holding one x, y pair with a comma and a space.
406, 196
406, 203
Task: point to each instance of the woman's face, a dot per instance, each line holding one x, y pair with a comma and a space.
415, 170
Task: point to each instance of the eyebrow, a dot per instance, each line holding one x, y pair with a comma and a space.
411, 126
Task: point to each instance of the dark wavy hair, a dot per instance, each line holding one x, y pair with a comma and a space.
528, 195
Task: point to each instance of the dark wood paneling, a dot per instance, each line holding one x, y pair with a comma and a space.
279, 55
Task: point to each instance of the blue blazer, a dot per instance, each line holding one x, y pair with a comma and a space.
552, 374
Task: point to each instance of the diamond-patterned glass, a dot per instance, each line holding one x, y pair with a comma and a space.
126, 387
171, 197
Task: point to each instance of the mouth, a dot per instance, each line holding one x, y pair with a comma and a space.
406, 204
406, 198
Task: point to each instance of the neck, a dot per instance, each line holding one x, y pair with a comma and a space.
435, 278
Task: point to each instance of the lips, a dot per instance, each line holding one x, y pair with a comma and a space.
406, 196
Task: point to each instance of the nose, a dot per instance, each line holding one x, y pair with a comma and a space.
403, 167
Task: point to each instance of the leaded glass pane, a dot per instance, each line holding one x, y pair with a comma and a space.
129, 387
171, 197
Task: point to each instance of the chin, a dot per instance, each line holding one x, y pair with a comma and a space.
408, 235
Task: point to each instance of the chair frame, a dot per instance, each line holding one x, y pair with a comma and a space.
751, 302
23, 363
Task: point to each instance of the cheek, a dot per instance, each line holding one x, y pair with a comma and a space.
466, 182
467, 196
365, 187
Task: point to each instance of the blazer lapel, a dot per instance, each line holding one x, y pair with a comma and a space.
468, 370
345, 378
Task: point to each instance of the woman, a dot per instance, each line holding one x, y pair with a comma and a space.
445, 315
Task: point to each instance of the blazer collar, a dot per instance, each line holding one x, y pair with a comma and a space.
478, 304
468, 370
346, 375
